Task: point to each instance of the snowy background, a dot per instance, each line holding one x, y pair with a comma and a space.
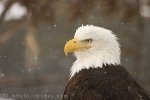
33, 33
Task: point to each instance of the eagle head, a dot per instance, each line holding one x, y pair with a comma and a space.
94, 47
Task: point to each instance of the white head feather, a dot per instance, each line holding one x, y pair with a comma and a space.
104, 49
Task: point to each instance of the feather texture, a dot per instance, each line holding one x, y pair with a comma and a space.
107, 83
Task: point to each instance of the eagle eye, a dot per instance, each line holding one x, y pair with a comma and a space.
88, 40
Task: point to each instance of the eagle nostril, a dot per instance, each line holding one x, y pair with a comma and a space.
74, 41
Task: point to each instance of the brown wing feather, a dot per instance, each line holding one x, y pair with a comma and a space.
107, 83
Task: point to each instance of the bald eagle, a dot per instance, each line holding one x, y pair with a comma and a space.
97, 73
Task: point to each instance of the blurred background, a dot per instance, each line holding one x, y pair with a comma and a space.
33, 33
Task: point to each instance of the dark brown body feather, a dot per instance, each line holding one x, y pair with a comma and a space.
107, 83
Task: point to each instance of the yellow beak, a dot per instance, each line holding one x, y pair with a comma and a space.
74, 45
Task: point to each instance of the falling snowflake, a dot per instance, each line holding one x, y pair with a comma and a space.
2, 74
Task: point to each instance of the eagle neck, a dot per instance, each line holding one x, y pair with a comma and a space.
95, 61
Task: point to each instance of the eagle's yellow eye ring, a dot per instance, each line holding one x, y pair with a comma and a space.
88, 40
